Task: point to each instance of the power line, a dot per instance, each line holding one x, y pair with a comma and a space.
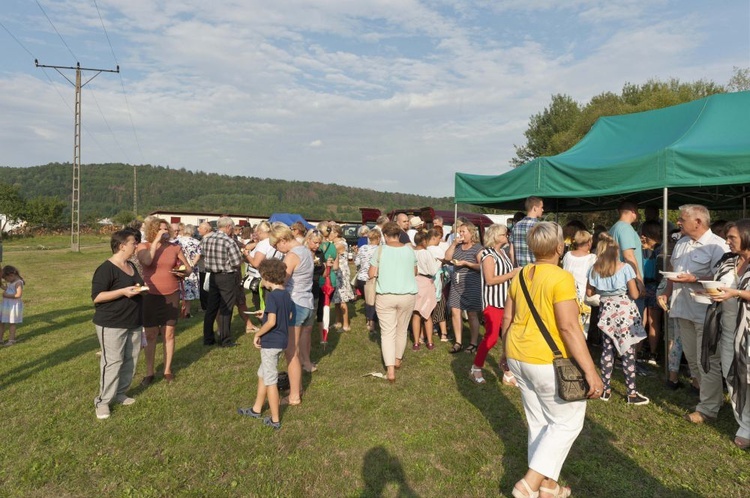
114, 137
75, 231
57, 90
16, 39
105, 33
56, 31
130, 114
122, 82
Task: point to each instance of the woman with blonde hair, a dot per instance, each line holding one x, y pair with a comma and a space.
299, 271
344, 292
554, 424
496, 271
466, 284
312, 242
191, 249
619, 319
362, 262
578, 262
161, 305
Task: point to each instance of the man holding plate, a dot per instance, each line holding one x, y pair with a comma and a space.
694, 258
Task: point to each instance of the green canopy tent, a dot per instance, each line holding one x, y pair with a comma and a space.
698, 152
693, 153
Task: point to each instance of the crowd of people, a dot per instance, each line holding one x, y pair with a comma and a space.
608, 289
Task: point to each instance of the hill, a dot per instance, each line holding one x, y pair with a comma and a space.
107, 189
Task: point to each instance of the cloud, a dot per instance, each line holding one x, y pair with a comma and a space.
405, 92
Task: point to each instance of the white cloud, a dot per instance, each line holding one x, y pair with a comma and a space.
405, 92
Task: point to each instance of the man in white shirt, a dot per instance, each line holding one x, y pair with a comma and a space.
695, 256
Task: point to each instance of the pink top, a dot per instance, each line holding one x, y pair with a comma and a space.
158, 275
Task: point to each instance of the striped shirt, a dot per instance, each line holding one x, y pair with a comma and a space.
495, 295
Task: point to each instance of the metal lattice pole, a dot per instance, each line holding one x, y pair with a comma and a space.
75, 208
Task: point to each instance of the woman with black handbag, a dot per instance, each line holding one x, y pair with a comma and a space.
545, 305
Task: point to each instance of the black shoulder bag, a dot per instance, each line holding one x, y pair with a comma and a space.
571, 383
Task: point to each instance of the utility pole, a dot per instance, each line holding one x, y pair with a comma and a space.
135, 194
75, 216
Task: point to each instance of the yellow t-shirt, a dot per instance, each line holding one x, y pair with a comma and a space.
550, 285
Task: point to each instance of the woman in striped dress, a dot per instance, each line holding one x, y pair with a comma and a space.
466, 285
496, 272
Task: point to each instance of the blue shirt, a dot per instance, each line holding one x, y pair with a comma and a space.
614, 285
627, 238
278, 302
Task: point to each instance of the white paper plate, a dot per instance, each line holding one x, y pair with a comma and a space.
701, 298
671, 274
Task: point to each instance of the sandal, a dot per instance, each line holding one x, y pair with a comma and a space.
527, 492
742, 443
558, 492
472, 373
457, 347
509, 379
471, 348
248, 412
698, 418
443, 338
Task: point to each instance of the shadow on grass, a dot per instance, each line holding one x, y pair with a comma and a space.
52, 321
380, 468
76, 348
318, 350
592, 462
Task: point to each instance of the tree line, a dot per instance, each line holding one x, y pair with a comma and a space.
107, 192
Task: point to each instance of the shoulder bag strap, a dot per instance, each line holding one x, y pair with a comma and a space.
380, 251
538, 319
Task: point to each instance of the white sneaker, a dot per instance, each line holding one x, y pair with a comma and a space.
124, 400
102, 412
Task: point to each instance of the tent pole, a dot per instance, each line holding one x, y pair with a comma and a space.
455, 216
666, 255
744, 202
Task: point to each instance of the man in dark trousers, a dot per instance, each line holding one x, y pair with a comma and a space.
222, 258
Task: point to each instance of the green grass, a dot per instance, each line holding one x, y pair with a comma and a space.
433, 433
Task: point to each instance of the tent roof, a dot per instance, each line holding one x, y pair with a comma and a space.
289, 218
699, 150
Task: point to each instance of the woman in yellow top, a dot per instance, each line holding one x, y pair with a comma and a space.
554, 424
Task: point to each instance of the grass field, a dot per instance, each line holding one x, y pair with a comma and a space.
432, 434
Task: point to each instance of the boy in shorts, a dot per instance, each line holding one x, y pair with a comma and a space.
271, 339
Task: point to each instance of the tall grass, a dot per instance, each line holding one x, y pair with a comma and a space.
433, 433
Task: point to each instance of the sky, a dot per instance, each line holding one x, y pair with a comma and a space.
392, 95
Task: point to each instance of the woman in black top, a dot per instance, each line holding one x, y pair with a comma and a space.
116, 290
